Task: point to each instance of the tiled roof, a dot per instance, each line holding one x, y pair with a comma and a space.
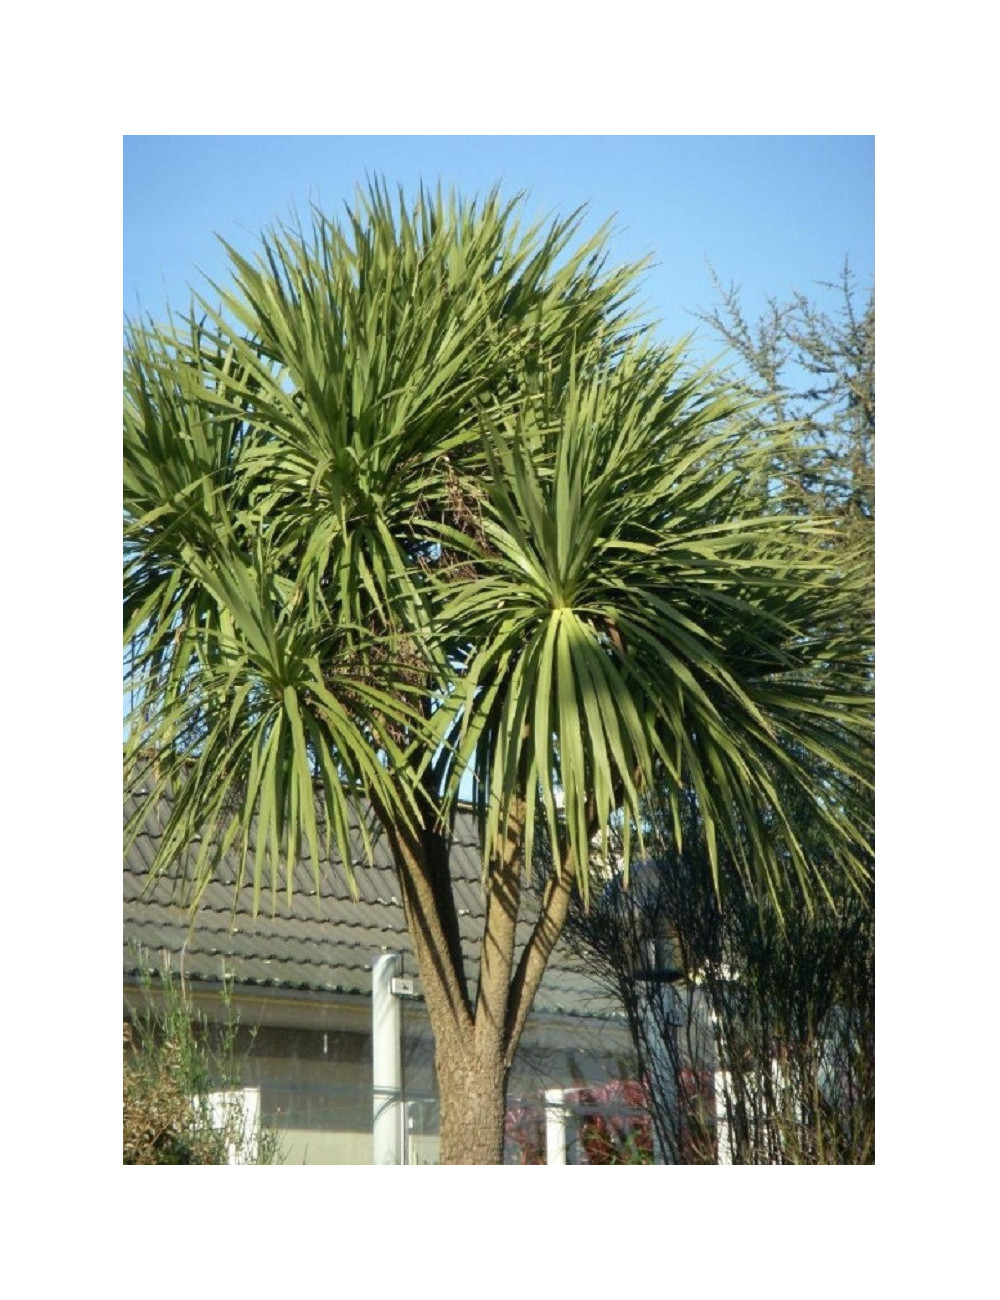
325, 943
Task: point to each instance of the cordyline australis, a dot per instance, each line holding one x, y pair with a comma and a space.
421, 498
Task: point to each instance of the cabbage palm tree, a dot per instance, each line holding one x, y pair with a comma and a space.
421, 499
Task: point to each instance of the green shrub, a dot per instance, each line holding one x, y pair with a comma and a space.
173, 1063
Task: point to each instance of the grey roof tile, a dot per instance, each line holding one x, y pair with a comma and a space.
323, 942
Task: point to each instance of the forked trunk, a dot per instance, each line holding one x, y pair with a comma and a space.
472, 1087
474, 1046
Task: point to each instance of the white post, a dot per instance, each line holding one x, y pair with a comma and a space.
555, 1127
658, 1024
387, 1064
661, 1012
238, 1106
723, 1145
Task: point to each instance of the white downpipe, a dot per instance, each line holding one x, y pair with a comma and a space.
555, 1126
387, 1063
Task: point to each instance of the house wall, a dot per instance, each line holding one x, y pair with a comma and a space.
311, 1058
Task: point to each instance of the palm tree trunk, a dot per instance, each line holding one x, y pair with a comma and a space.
472, 1086
475, 1045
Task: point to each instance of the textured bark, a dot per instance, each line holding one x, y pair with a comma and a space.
551, 919
432, 922
473, 1092
503, 898
473, 1068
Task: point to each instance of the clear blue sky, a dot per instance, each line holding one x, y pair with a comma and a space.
773, 213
